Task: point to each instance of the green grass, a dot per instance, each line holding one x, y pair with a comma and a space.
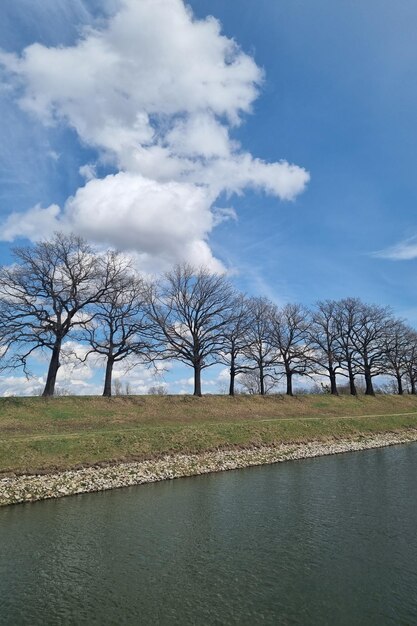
39, 434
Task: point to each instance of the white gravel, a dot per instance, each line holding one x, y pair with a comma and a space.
29, 488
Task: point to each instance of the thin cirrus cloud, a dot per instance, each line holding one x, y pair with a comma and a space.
157, 93
403, 251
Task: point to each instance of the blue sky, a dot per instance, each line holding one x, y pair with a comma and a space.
340, 99
337, 97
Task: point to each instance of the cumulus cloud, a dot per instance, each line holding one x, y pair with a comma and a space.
74, 376
163, 221
74, 365
20, 386
36, 222
82, 374
157, 93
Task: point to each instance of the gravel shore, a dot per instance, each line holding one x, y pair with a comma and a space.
29, 488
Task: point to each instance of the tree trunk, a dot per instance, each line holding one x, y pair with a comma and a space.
413, 386
289, 383
400, 389
52, 370
369, 389
261, 381
197, 379
352, 386
232, 378
107, 391
333, 385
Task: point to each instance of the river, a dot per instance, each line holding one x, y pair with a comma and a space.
331, 540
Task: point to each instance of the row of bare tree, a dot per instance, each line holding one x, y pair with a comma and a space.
62, 288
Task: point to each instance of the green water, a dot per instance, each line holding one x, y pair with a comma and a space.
322, 541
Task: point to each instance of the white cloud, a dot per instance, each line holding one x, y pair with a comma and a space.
139, 378
87, 171
152, 58
403, 251
224, 214
20, 386
74, 364
79, 375
163, 221
200, 135
35, 223
157, 93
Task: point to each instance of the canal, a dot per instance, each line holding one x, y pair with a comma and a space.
331, 540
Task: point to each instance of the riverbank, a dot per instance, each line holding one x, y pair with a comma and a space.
39, 435
30, 488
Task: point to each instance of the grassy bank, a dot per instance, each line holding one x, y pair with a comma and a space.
39, 434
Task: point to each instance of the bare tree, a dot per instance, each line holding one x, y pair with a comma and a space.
249, 381
259, 352
397, 348
157, 390
236, 339
121, 328
191, 309
118, 387
290, 338
410, 361
347, 323
324, 338
47, 294
373, 325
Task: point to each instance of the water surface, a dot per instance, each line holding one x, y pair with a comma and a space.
331, 540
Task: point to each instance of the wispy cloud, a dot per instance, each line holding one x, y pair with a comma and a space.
405, 250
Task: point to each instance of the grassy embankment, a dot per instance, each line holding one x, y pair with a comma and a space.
39, 434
